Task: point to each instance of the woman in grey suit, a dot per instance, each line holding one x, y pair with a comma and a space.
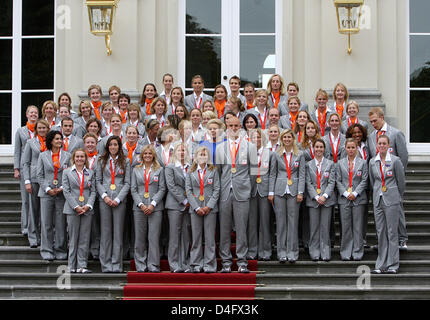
203, 188
79, 189
148, 189
320, 198
177, 206
387, 178
286, 188
259, 235
30, 157
351, 182
352, 111
113, 183
334, 141
134, 117
22, 136
85, 114
50, 167
94, 126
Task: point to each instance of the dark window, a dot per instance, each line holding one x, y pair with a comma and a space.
38, 17
6, 18
5, 118
5, 64
37, 64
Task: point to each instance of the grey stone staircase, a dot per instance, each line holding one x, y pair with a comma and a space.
24, 275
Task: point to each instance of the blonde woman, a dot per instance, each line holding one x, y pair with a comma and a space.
310, 136
158, 111
286, 188
277, 94
79, 189
84, 114
148, 189
206, 116
261, 109
352, 110
203, 187
340, 96
322, 113
134, 117
49, 113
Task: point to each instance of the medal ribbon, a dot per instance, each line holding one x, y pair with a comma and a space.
382, 174
234, 153
81, 184
288, 165
351, 122
312, 154
56, 161
147, 179
201, 180
332, 148
200, 102
351, 171
263, 123
112, 173
339, 109
318, 179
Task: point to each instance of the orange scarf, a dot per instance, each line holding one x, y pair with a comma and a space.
220, 107
148, 105
339, 109
277, 96
42, 143
92, 154
31, 126
96, 106
293, 119
249, 105
123, 115
56, 159
130, 151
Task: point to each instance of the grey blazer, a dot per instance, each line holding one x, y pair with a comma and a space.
328, 181
314, 116
190, 102
262, 188
240, 181
21, 137
394, 180
46, 171
279, 177
71, 190
397, 144
282, 105
29, 159
284, 122
359, 180
175, 182
156, 188
136, 153
341, 153
211, 190
160, 155
122, 180
74, 143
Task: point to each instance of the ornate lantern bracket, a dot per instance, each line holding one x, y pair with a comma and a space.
101, 14
348, 17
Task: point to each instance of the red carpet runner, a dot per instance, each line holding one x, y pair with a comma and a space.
191, 286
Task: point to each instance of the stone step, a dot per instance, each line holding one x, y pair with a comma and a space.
52, 292
10, 185
10, 195
294, 279
10, 215
76, 279
10, 227
336, 266
418, 174
315, 292
13, 239
420, 184
10, 205
38, 265
416, 194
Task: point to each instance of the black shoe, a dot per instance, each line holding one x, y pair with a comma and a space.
403, 246
315, 259
283, 259
375, 247
376, 271
326, 260
197, 270
178, 271
391, 271
243, 269
291, 261
33, 246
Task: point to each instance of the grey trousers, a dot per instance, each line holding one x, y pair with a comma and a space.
128, 241
252, 230
206, 258
25, 206
319, 241
34, 216
79, 230
403, 234
238, 211
147, 231
351, 218
264, 234
53, 231
387, 224
95, 231
186, 240
111, 236
287, 226
178, 253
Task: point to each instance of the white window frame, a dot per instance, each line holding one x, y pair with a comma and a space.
229, 66
413, 147
17, 37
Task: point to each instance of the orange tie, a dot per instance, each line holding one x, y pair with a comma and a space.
339, 109
130, 151
148, 105
96, 106
42, 143
66, 144
220, 107
277, 96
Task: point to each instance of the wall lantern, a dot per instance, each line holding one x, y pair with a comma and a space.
348, 17
101, 14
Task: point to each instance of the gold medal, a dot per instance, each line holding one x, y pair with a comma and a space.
233, 170
81, 198
55, 182
318, 191
185, 193
384, 189
258, 180
112, 187
349, 189
202, 198
146, 195
290, 182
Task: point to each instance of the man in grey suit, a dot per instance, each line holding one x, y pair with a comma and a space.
196, 99
235, 161
70, 142
397, 147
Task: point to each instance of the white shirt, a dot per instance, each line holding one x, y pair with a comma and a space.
346, 193
230, 145
384, 169
59, 160
104, 195
361, 149
198, 99
153, 202
319, 166
272, 148
80, 174
166, 152
162, 121
167, 98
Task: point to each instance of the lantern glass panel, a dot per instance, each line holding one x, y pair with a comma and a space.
101, 19
349, 19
